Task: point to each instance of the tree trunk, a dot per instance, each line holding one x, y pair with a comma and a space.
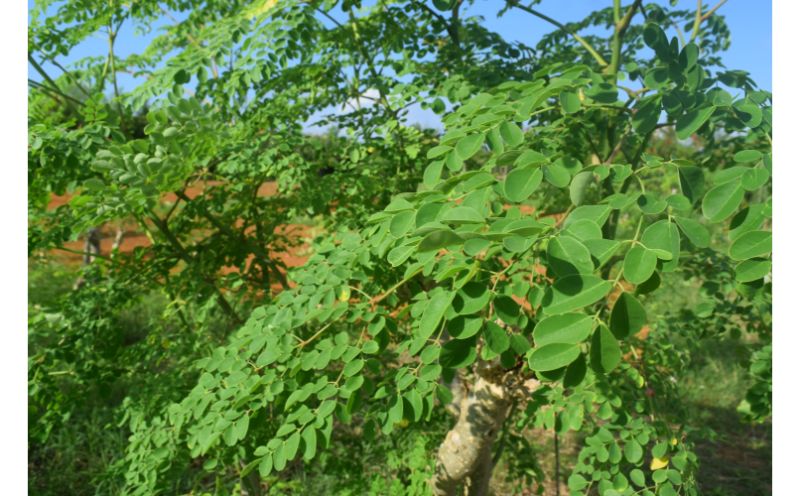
464, 462
92, 245
91, 248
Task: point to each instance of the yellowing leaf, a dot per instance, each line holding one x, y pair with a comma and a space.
344, 294
259, 7
658, 463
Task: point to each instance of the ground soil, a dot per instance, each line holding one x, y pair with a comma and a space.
297, 234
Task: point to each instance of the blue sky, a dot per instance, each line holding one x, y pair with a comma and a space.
750, 22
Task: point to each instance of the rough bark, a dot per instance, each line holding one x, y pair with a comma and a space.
456, 387
464, 462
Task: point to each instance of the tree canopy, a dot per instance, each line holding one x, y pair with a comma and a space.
521, 268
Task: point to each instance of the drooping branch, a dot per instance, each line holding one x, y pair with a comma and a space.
184, 255
585, 44
54, 93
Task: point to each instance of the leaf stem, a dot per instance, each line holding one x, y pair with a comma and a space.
700, 17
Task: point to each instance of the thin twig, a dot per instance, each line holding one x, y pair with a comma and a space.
700, 17
585, 44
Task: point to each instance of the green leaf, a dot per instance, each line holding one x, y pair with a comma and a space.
575, 372
472, 298
605, 352
750, 245
443, 5
580, 183
453, 161
428, 213
439, 239
646, 117
690, 122
627, 317
748, 219
664, 235
400, 254
395, 412
566, 255
556, 175
291, 445
433, 313
240, 426
755, 178
507, 309
495, 141
520, 344
401, 223
463, 215
694, 231
633, 451
602, 249
438, 151
692, 182
265, 466
353, 368
655, 38
309, 443
679, 203
667, 490
650, 204
720, 97
433, 173
430, 372
458, 353
576, 482
521, 183
570, 103
370, 347
430, 354
530, 157
415, 400
474, 246
688, 56
553, 356
469, 146
574, 292
722, 201
511, 133
639, 264
745, 156
748, 112
752, 270
496, 338
353, 383
571, 328
595, 213
326, 408
464, 327
637, 477
585, 229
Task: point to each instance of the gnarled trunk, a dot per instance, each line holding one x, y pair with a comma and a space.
464, 462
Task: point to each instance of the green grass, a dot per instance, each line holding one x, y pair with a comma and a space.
735, 456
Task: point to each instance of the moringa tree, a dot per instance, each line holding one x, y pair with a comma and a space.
505, 283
